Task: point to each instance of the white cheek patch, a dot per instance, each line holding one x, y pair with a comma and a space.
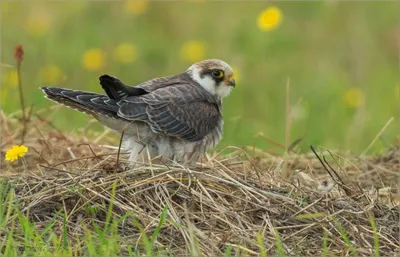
206, 82
223, 90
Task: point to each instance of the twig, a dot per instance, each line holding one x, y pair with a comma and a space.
285, 172
50, 124
26, 120
19, 56
303, 209
287, 115
346, 189
119, 149
43, 138
294, 144
29, 113
270, 140
41, 156
90, 147
332, 169
376, 137
323, 164
82, 158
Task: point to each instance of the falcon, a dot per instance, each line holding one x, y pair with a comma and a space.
177, 117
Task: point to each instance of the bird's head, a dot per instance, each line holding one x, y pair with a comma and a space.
214, 75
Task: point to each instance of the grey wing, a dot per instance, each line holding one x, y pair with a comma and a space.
157, 83
117, 90
179, 111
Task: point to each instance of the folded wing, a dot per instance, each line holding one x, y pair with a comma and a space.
182, 111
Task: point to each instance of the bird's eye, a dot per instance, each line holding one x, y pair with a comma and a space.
217, 74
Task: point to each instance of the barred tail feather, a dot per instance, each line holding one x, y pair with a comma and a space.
89, 103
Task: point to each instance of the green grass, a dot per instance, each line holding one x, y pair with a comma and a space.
279, 246
104, 229
49, 241
346, 239
325, 247
96, 241
325, 48
376, 236
261, 246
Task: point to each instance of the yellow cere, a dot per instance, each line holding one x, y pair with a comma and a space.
269, 18
125, 53
50, 74
16, 152
136, 7
193, 51
93, 59
353, 97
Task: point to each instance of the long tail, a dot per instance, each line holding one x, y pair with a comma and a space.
87, 102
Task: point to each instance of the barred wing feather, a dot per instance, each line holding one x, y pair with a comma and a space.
182, 111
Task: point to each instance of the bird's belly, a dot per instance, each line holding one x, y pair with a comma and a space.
177, 149
140, 139
185, 151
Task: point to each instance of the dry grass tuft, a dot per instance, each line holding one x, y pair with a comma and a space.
238, 200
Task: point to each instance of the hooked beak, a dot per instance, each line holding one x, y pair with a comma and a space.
230, 82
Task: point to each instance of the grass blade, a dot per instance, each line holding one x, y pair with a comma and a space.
64, 233
228, 251
279, 246
159, 226
346, 239
110, 207
146, 242
325, 244
260, 243
375, 236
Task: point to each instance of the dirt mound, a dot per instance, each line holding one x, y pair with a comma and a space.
299, 204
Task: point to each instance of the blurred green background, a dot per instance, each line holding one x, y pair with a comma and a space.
341, 59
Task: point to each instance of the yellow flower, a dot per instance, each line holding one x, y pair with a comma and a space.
136, 6
93, 59
125, 53
50, 74
269, 18
10, 79
193, 51
38, 23
15, 152
353, 97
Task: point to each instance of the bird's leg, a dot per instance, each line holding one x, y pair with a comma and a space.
135, 147
135, 150
142, 144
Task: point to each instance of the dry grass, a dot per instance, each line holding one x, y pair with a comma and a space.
237, 201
